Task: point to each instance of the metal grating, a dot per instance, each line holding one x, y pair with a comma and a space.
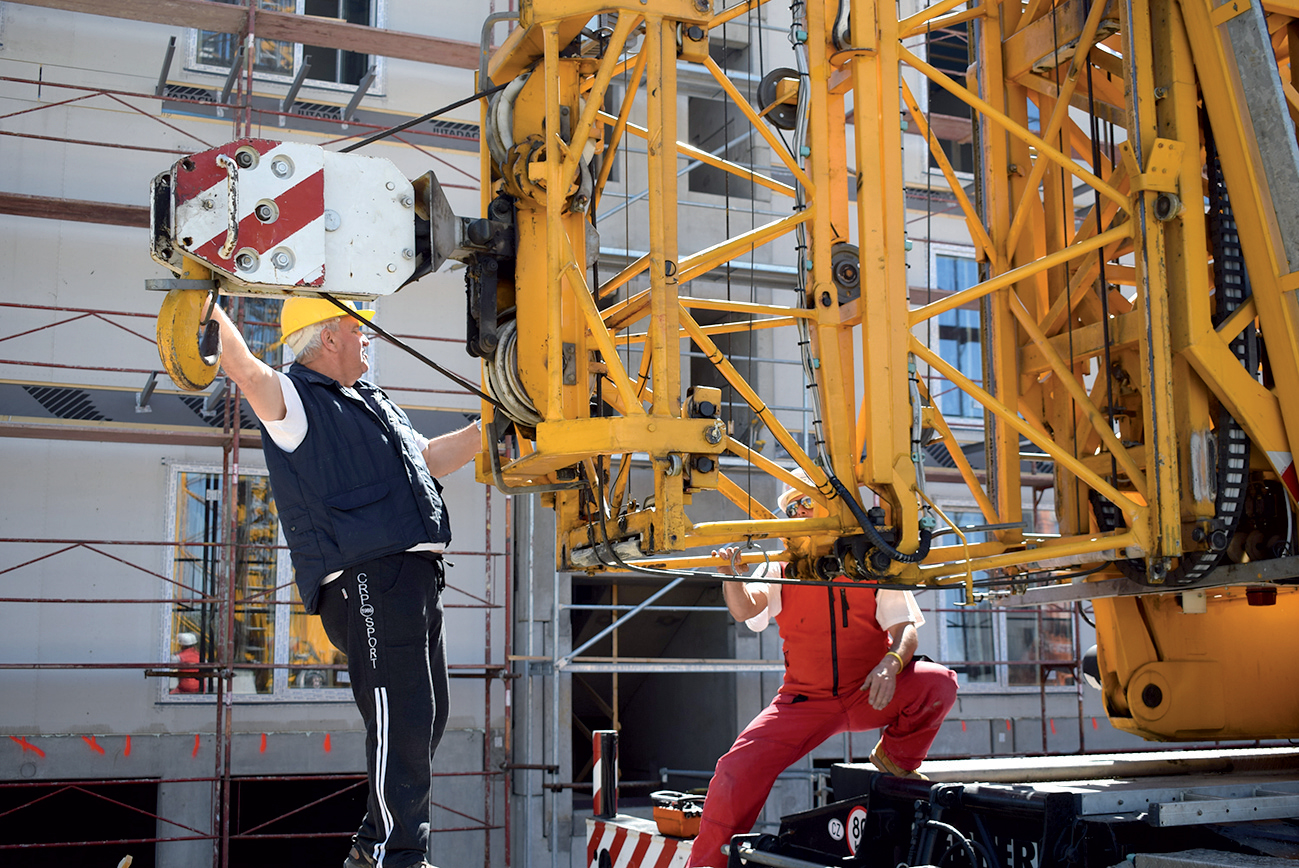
318, 110
66, 403
454, 129
216, 419
185, 91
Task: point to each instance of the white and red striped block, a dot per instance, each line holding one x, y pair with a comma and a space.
632, 842
301, 218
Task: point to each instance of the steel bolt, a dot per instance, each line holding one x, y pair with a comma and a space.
265, 213
280, 168
391, 268
208, 204
246, 261
282, 260
407, 201
244, 159
391, 186
407, 253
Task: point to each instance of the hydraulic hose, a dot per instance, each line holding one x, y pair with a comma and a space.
868, 527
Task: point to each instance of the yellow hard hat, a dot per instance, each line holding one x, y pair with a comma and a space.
300, 311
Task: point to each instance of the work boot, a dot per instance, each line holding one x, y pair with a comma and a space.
885, 763
357, 858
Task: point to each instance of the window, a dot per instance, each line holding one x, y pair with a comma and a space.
722, 130
261, 327
959, 341
738, 347
279, 61
1004, 647
949, 116
1007, 647
270, 626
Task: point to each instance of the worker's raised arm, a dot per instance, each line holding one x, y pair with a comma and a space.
743, 599
256, 379
450, 452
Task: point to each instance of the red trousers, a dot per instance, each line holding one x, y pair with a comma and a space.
787, 730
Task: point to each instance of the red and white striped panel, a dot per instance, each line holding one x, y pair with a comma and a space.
1283, 463
632, 842
287, 246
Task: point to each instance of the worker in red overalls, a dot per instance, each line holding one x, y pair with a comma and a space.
848, 667
189, 682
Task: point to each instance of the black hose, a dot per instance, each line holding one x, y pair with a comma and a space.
961, 841
868, 527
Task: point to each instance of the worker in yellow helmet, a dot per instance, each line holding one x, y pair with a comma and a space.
361, 508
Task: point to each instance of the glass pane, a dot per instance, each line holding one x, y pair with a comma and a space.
969, 637
308, 645
331, 64
970, 634
200, 575
262, 328
959, 341
1042, 637
270, 56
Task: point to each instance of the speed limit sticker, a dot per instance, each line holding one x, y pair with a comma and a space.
856, 828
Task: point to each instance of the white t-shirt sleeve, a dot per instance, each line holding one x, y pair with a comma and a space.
289, 432
897, 607
762, 620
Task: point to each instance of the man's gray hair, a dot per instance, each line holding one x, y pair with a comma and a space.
305, 342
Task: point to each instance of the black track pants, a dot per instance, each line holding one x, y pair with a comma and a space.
386, 615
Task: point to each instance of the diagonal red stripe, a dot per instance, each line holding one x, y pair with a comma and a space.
206, 172
615, 846
597, 831
638, 853
668, 853
299, 205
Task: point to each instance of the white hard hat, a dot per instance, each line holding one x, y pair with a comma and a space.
789, 495
186, 639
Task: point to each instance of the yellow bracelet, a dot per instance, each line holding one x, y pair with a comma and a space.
901, 663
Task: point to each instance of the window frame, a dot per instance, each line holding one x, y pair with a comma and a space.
280, 691
378, 17
966, 252
965, 514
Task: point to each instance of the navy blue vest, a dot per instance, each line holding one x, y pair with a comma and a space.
357, 487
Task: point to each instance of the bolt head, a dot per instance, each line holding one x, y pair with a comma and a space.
208, 204
407, 201
280, 168
391, 186
392, 268
407, 253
